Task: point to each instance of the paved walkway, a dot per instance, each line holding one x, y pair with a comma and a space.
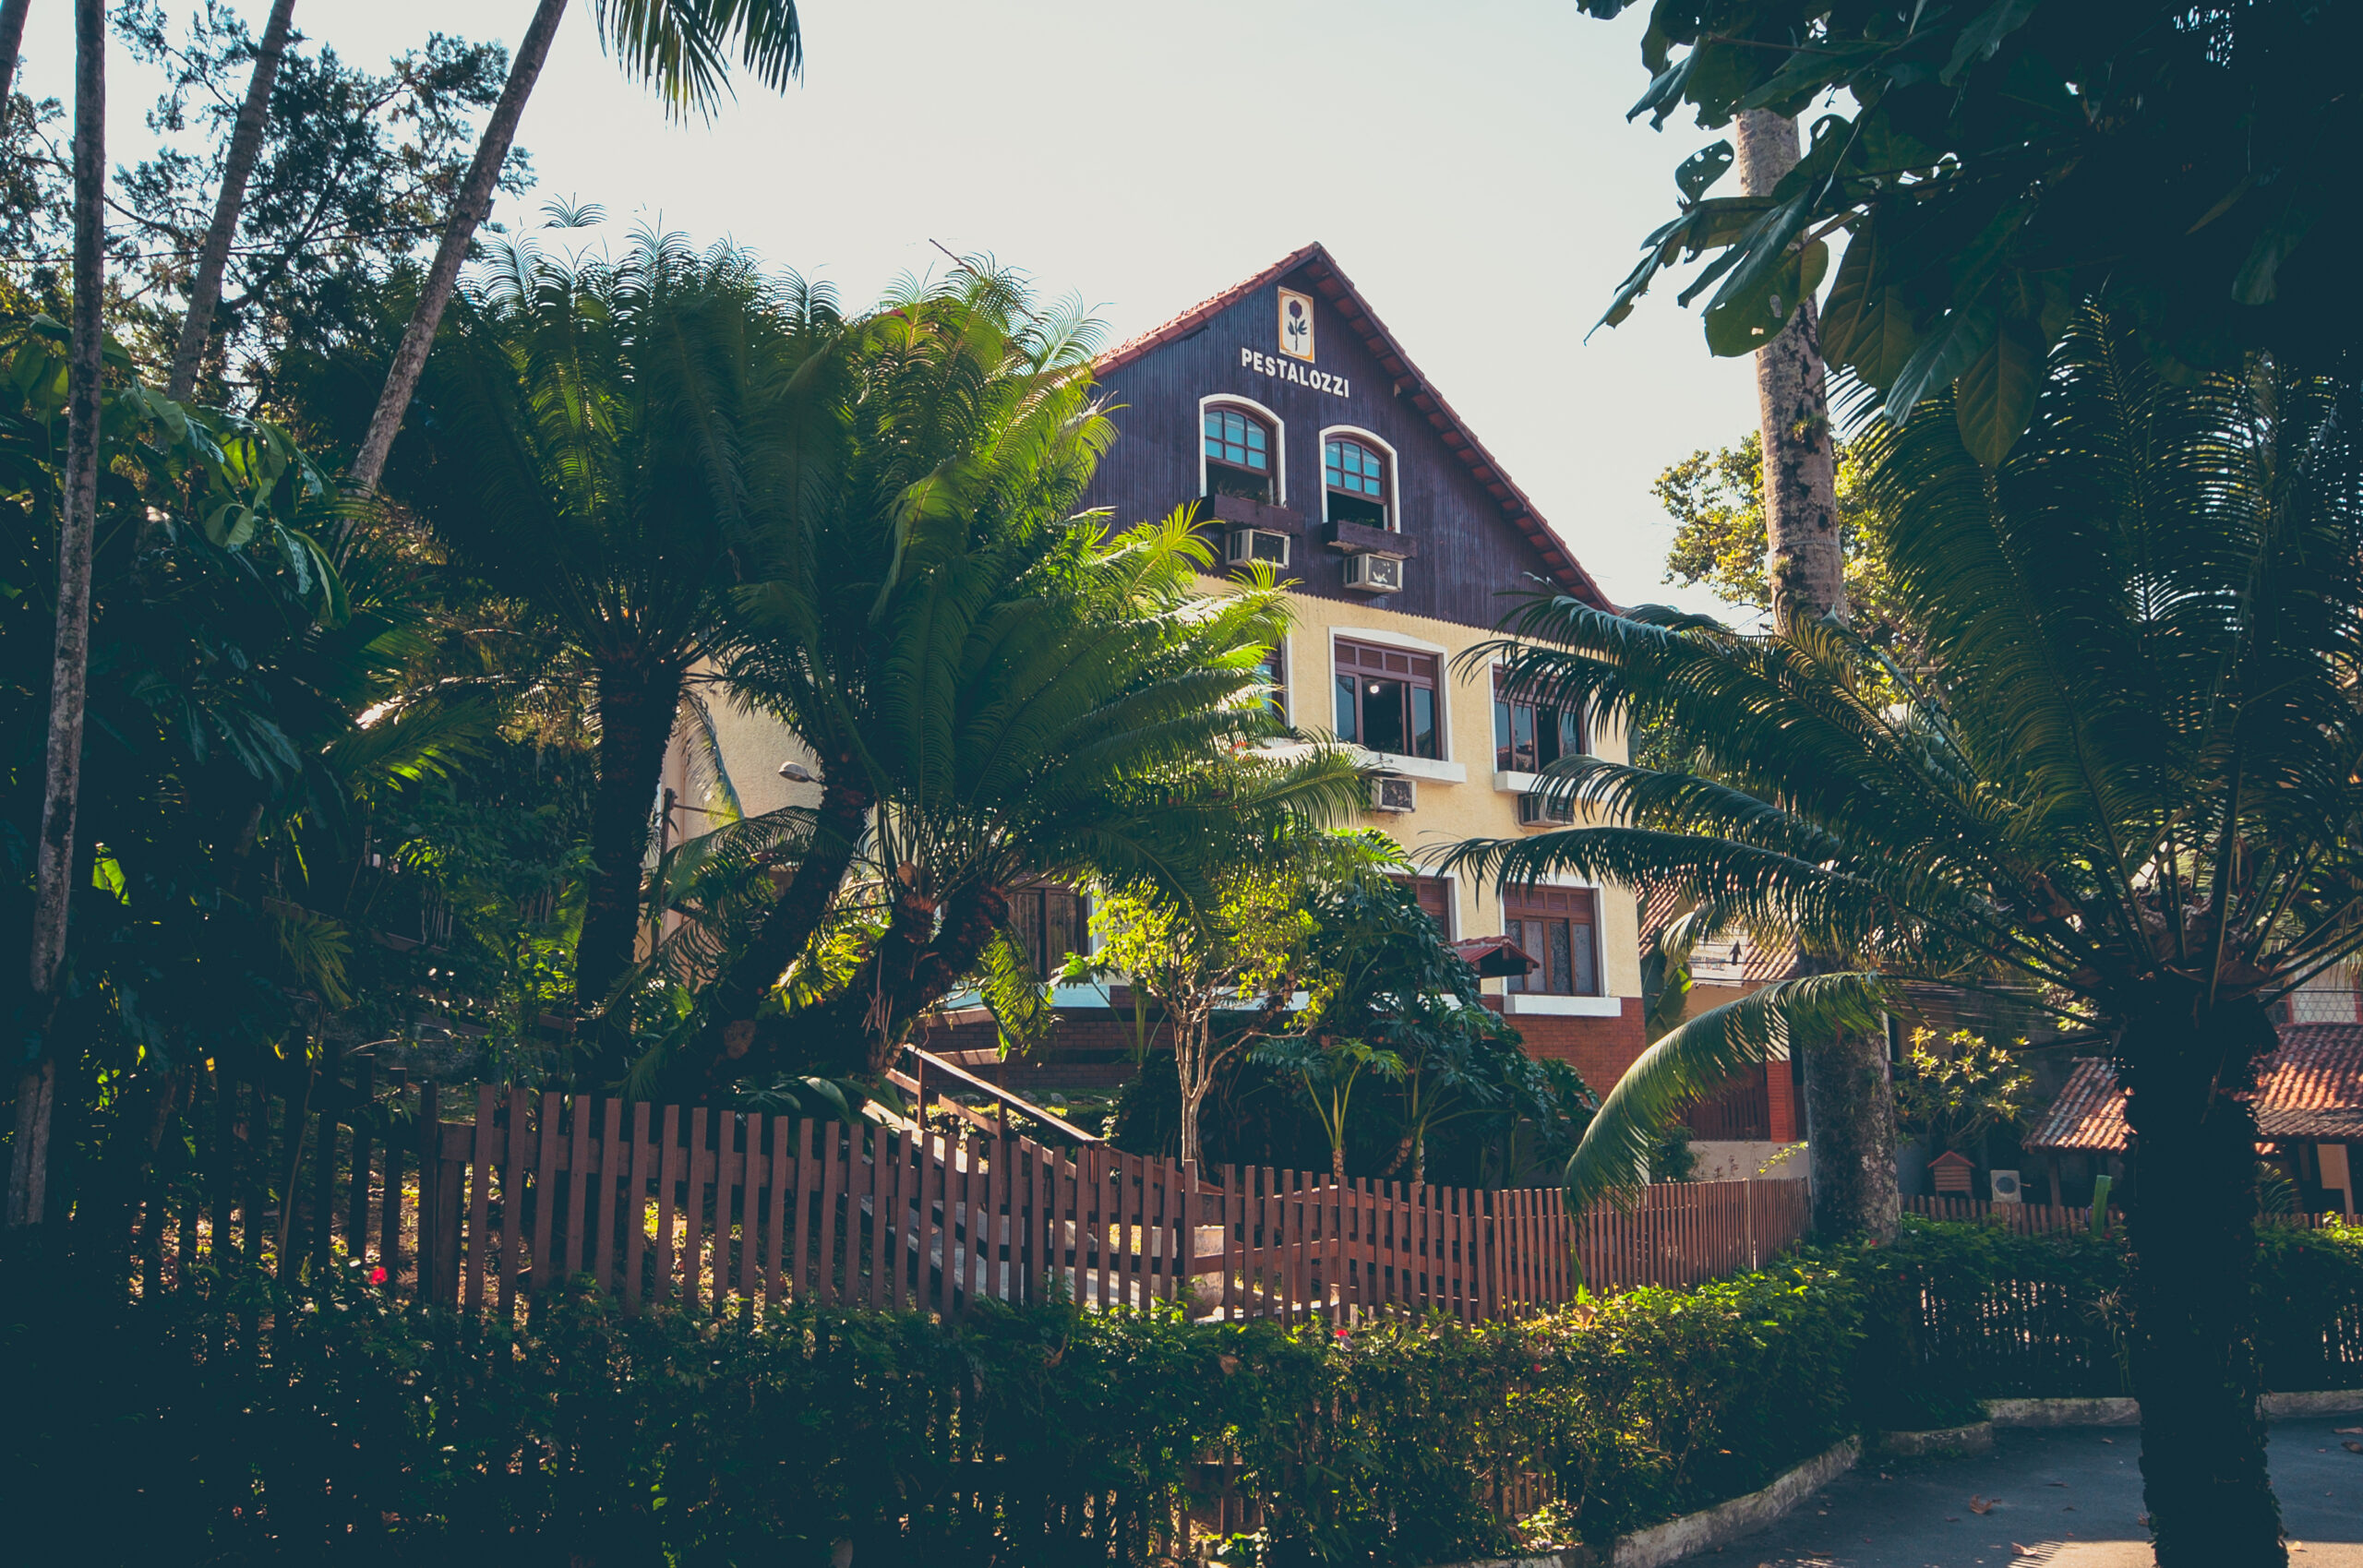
2065, 1499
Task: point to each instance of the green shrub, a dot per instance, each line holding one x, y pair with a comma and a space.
173, 1432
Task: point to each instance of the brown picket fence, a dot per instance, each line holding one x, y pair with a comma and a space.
719, 1210
2042, 1219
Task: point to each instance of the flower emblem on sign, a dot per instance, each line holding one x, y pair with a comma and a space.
1296, 325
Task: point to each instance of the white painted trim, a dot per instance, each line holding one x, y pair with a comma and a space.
1279, 442
1390, 639
1425, 768
1541, 1003
1394, 470
1517, 783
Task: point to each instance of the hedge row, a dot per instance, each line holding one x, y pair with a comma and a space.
1036, 1437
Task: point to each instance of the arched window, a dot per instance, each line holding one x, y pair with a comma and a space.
1355, 476
1239, 454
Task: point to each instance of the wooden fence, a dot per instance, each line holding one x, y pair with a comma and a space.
2042, 1219
721, 1210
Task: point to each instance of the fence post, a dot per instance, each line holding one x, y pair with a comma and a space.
430, 1206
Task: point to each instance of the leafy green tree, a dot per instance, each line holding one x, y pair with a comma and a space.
1326, 1067
351, 170
1244, 950
1957, 1086
1991, 165
1717, 502
604, 437
2126, 795
679, 46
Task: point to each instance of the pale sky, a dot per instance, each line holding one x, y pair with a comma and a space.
1469, 165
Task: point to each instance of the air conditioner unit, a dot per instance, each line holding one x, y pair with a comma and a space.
1395, 794
2005, 1186
1543, 811
1245, 545
1374, 574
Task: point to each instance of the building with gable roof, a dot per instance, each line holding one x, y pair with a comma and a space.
1284, 411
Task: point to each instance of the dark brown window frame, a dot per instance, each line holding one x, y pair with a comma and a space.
1533, 917
1357, 666
1564, 718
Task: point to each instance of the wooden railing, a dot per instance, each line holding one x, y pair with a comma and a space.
720, 1209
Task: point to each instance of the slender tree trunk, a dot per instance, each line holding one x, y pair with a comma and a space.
736, 995
12, 39
246, 144
1190, 1047
1849, 1097
1803, 561
636, 710
70, 659
2193, 1229
474, 206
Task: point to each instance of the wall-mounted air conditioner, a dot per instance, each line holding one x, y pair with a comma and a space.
1245, 545
1395, 794
1374, 574
1544, 811
2005, 1186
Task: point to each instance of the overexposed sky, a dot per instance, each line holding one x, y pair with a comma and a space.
1469, 165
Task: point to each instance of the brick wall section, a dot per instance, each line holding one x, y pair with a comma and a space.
1599, 1049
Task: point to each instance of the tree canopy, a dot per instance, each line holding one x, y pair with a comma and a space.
1990, 166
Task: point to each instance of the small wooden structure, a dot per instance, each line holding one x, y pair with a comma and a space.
1952, 1171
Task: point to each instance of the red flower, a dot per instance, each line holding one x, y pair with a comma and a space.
378, 1274
1343, 1333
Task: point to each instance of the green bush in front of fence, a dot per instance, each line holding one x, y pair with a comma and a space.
350, 1428
1959, 1313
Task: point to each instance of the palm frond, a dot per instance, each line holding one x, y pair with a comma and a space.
1700, 1055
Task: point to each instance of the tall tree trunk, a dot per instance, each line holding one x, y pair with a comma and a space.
1850, 1124
2193, 1229
1850, 1100
70, 659
474, 206
12, 39
1803, 561
246, 144
637, 705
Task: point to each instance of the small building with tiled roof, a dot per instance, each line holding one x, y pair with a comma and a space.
2309, 1114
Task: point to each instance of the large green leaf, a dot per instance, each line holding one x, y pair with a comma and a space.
1949, 350
1995, 398
1867, 327
1743, 323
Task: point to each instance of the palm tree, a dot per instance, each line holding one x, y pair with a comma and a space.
677, 45
1066, 708
1850, 1103
963, 420
12, 40
70, 655
600, 440
2122, 789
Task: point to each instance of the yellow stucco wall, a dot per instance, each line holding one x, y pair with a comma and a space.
1448, 811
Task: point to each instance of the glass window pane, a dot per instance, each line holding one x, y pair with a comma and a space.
1424, 722
1562, 979
1571, 733
1501, 736
1516, 931
1521, 737
1383, 717
1346, 727
1586, 964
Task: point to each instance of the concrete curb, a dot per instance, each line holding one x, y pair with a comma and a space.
2322, 1402
2127, 1412
2063, 1412
1977, 1437
1703, 1531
